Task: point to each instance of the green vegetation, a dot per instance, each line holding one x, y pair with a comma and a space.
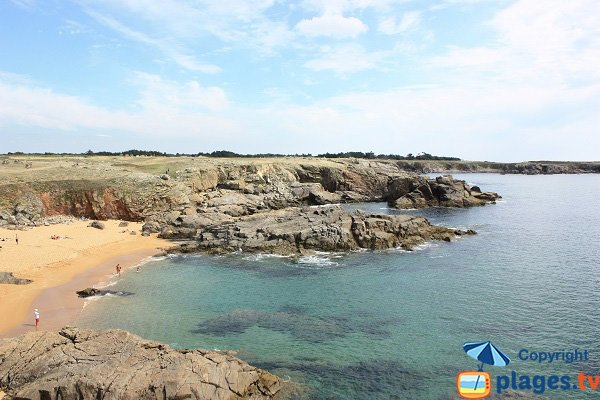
230, 154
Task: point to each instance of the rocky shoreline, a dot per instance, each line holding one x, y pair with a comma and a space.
288, 207
78, 364
212, 190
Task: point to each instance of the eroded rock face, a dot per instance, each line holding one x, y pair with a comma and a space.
443, 191
85, 364
330, 228
213, 190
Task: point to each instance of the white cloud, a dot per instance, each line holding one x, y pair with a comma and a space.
170, 49
391, 26
27, 4
345, 59
536, 41
340, 6
163, 107
332, 25
158, 93
242, 22
479, 121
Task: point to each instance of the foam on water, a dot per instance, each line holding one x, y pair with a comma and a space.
317, 260
263, 256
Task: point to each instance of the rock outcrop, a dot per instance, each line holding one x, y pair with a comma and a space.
9, 278
443, 191
96, 224
302, 230
76, 364
89, 292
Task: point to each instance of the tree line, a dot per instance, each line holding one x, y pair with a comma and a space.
230, 154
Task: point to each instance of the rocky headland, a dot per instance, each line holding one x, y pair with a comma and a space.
221, 205
76, 364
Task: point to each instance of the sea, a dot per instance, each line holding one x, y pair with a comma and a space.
391, 324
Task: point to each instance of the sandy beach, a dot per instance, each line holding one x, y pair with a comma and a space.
82, 257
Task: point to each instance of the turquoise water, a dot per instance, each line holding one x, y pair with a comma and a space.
391, 324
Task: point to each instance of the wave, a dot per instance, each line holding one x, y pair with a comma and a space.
326, 205
263, 256
104, 285
420, 247
316, 260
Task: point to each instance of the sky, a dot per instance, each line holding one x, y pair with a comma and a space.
496, 80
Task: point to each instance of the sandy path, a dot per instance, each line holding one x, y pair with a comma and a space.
86, 257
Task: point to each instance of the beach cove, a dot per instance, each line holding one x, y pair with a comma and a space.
82, 257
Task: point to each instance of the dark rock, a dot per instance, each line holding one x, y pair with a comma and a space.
9, 278
443, 191
123, 224
96, 224
89, 292
151, 227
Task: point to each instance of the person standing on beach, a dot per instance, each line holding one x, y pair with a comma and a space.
118, 269
36, 314
17, 238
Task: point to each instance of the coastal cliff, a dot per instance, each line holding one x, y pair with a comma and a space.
78, 364
163, 190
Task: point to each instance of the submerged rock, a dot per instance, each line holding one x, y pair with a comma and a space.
85, 364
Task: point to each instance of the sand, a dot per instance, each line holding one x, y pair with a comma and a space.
84, 257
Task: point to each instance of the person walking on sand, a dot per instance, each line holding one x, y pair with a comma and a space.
36, 314
17, 238
118, 268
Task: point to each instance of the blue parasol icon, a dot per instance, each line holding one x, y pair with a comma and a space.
487, 353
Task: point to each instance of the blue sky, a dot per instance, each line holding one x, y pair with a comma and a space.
478, 79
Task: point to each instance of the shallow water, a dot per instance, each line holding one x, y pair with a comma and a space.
391, 324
